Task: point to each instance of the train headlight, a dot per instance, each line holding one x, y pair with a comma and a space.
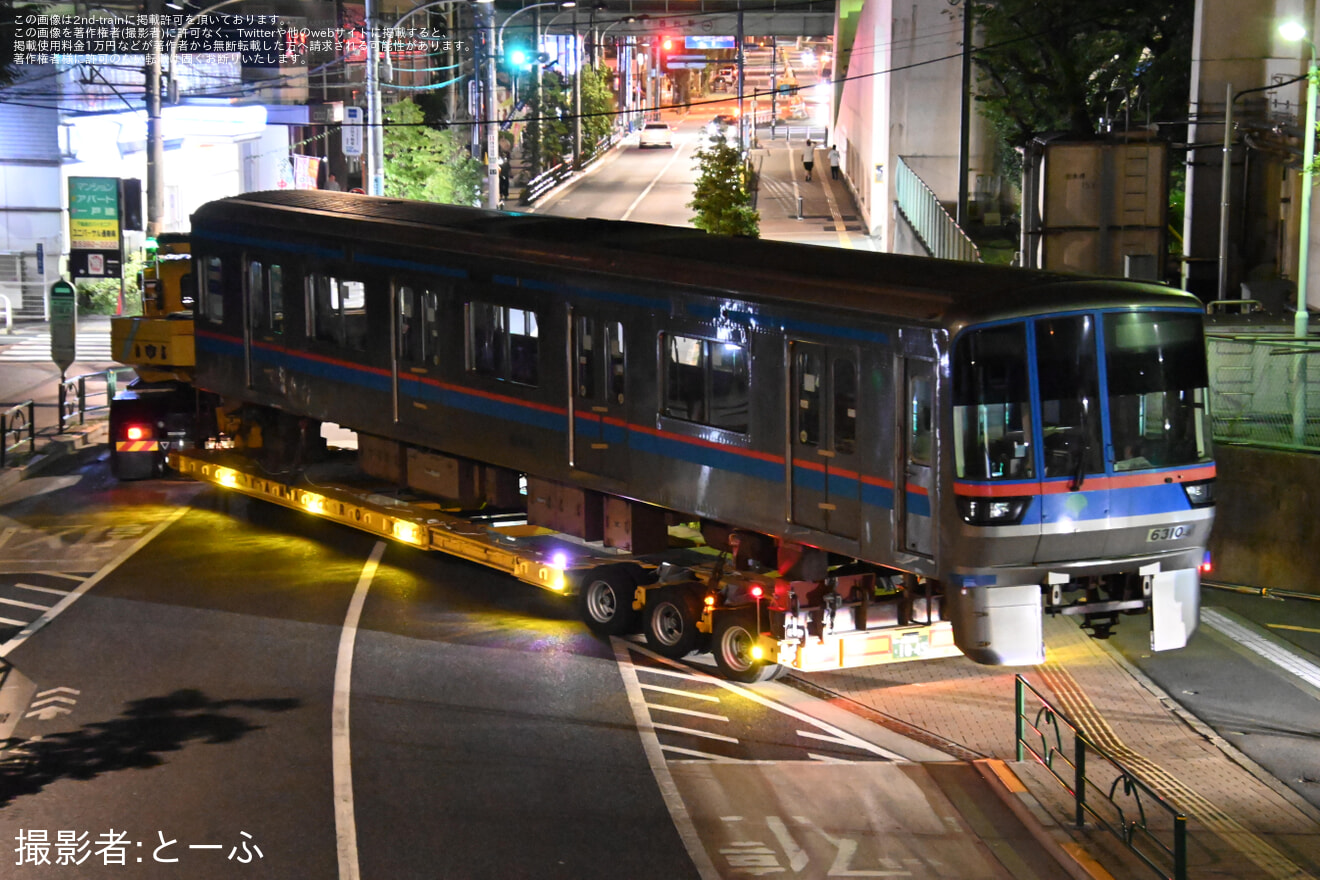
992, 511
1200, 494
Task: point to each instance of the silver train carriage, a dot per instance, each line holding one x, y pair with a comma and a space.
1007, 442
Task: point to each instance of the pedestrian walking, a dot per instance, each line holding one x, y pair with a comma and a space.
834, 161
332, 183
809, 158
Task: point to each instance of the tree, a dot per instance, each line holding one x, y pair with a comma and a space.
425, 163
599, 107
1062, 65
723, 195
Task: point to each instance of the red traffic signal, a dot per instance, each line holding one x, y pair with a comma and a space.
667, 46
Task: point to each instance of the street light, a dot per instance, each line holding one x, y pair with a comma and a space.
1293, 31
499, 37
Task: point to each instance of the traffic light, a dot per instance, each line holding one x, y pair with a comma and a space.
667, 45
130, 203
518, 57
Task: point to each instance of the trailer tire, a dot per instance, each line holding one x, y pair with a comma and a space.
605, 601
735, 634
671, 621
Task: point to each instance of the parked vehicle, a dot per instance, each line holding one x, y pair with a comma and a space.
655, 134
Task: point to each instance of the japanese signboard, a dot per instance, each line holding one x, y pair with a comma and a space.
94, 227
352, 131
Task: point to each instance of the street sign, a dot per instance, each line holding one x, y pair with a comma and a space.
686, 65
351, 131
63, 324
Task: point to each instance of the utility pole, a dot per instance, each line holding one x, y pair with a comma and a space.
375, 132
155, 139
577, 93
491, 112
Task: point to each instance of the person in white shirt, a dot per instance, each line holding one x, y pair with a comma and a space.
834, 162
809, 158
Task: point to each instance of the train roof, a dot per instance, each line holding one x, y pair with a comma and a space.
941, 292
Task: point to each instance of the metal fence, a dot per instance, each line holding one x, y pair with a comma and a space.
938, 231
1102, 788
79, 397
1265, 390
552, 177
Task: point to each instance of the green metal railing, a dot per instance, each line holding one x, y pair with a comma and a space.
1265, 390
1110, 794
939, 232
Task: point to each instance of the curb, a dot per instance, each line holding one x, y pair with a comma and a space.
1072, 858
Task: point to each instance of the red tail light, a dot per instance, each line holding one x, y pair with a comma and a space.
135, 432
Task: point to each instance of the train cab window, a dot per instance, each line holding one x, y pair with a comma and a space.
587, 359
503, 342
275, 300
992, 436
706, 382
808, 397
337, 311
921, 439
1069, 395
213, 305
1157, 389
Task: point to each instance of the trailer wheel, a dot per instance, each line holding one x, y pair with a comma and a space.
605, 601
671, 622
734, 638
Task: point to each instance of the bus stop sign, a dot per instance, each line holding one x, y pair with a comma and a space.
63, 324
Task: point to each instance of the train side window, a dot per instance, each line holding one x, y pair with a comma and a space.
409, 326
614, 344
524, 346
728, 386
845, 406
431, 326
214, 305
706, 382
353, 312
487, 339
256, 294
586, 358
921, 440
808, 398
323, 308
503, 343
275, 296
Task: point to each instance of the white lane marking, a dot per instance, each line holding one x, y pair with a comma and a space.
10, 622
678, 693
842, 735
656, 707
43, 589
826, 759
693, 753
1279, 656
693, 732
60, 574
58, 608
345, 822
637, 201
673, 673
17, 604
824, 738
687, 832
797, 857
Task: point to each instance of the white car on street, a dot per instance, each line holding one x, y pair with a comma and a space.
655, 134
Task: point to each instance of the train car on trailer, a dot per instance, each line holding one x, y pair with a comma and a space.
891, 440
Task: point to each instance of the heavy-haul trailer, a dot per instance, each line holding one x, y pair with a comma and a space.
590, 571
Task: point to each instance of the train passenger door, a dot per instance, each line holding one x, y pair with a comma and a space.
915, 483
825, 488
417, 337
599, 404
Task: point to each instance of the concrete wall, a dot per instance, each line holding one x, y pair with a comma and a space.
1267, 519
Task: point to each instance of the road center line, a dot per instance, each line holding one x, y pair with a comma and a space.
345, 823
678, 151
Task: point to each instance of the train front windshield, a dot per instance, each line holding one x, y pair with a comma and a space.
1153, 388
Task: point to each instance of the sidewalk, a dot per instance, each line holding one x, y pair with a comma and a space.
1242, 822
40, 383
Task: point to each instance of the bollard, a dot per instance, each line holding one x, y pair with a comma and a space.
799, 216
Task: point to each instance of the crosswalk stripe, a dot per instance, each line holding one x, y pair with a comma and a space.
36, 349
